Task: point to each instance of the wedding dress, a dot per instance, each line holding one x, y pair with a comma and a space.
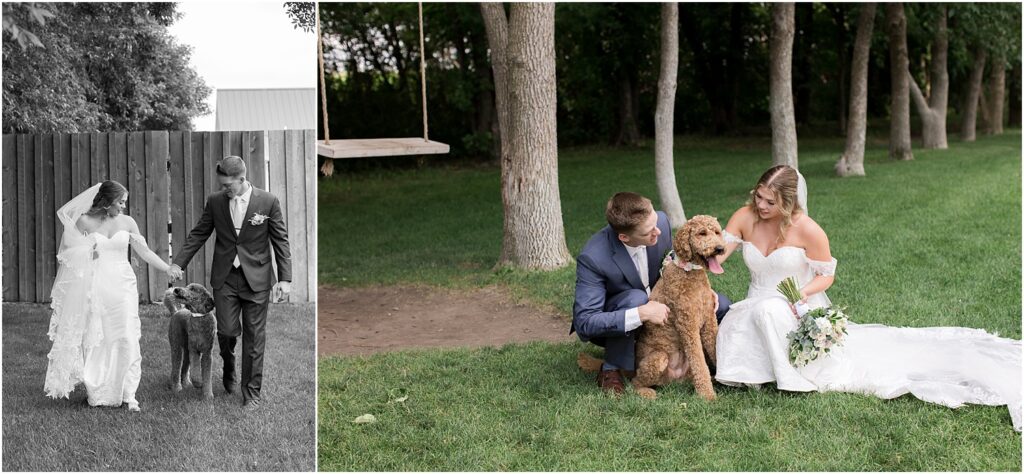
95, 326
950, 366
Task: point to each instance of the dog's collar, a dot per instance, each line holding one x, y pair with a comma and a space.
686, 266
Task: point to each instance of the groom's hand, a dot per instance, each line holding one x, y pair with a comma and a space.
281, 290
653, 312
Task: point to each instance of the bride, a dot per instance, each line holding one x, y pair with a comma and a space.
95, 325
945, 365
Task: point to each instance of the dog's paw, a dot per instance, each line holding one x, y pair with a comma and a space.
588, 363
647, 392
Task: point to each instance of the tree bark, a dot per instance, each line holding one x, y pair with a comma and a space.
852, 161
664, 115
933, 110
996, 94
1013, 103
969, 122
899, 132
780, 102
629, 133
523, 55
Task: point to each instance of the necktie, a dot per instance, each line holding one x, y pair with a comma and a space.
236, 219
640, 260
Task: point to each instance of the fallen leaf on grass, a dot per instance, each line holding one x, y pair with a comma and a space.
400, 400
367, 418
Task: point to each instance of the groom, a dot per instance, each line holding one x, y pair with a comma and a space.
615, 273
248, 222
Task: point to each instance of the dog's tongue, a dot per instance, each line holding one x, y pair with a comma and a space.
714, 266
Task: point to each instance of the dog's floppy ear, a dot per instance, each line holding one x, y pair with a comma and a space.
681, 242
206, 299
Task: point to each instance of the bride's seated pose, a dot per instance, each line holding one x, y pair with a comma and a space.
945, 365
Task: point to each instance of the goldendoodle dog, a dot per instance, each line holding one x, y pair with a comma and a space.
192, 330
676, 349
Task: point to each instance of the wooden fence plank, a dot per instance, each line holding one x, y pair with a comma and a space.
118, 157
177, 188
10, 218
309, 171
99, 157
296, 181
211, 148
46, 264
137, 203
278, 184
255, 161
62, 167
196, 269
26, 220
157, 208
79, 155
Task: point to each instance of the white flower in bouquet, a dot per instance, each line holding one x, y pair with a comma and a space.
820, 330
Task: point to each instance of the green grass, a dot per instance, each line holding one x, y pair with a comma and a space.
174, 432
931, 242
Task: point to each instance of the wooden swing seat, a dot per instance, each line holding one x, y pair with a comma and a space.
368, 147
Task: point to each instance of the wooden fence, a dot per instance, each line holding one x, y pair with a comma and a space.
168, 176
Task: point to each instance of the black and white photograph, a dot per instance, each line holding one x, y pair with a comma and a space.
159, 237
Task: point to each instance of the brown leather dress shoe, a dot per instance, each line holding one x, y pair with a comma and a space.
610, 381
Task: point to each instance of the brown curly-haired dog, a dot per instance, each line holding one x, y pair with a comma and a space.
664, 352
192, 330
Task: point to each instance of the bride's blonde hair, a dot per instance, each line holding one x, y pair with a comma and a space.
782, 181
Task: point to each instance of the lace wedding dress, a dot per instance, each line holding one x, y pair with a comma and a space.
946, 365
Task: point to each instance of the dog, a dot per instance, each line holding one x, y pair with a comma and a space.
191, 333
676, 350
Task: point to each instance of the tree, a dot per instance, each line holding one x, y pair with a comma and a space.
932, 109
899, 132
784, 147
969, 120
302, 14
103, 66
523, 59
664, 168
984, 32
852, 161
996, 95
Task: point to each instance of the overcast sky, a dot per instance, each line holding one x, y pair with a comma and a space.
245, 45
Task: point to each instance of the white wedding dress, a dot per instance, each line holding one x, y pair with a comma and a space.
945, 365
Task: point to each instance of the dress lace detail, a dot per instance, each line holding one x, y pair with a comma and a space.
731, 239
823, 268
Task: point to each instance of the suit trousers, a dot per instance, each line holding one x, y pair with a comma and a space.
242, 311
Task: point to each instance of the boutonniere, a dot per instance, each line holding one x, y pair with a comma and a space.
257, 219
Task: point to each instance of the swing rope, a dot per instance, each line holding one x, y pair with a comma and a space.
328, 167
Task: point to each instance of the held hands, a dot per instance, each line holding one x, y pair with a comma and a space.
653, 312
281, 291
174, 272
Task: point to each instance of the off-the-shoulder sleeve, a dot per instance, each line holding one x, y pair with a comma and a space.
823, 268
731, 239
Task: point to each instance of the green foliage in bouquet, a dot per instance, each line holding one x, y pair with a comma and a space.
820, 331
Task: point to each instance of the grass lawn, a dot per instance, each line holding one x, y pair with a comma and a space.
931, 242
174, 432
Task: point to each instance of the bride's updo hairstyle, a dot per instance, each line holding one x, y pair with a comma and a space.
627, 210
109, 192
782, 181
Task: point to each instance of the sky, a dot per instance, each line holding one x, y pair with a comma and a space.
245, 45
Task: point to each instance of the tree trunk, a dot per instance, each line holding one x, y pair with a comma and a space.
969, 121
523, 58
780, 102
629, 133
899, 132
1014, 98
933, 110
852, 161
996, 94
664, 114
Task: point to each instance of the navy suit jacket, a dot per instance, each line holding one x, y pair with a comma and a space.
605, 269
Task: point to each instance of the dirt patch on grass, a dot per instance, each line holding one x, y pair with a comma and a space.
353, 321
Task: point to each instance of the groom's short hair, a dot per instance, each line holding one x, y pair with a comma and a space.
627, 210
231, 166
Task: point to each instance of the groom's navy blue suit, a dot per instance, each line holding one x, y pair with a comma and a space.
608, 284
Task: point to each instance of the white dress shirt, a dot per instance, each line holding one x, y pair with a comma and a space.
239, 206
639, 257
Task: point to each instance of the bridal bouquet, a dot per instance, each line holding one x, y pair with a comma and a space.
819, 331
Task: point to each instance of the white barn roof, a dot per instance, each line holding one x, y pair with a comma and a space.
265, 109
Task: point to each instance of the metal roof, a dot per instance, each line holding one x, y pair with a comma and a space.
265, 109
